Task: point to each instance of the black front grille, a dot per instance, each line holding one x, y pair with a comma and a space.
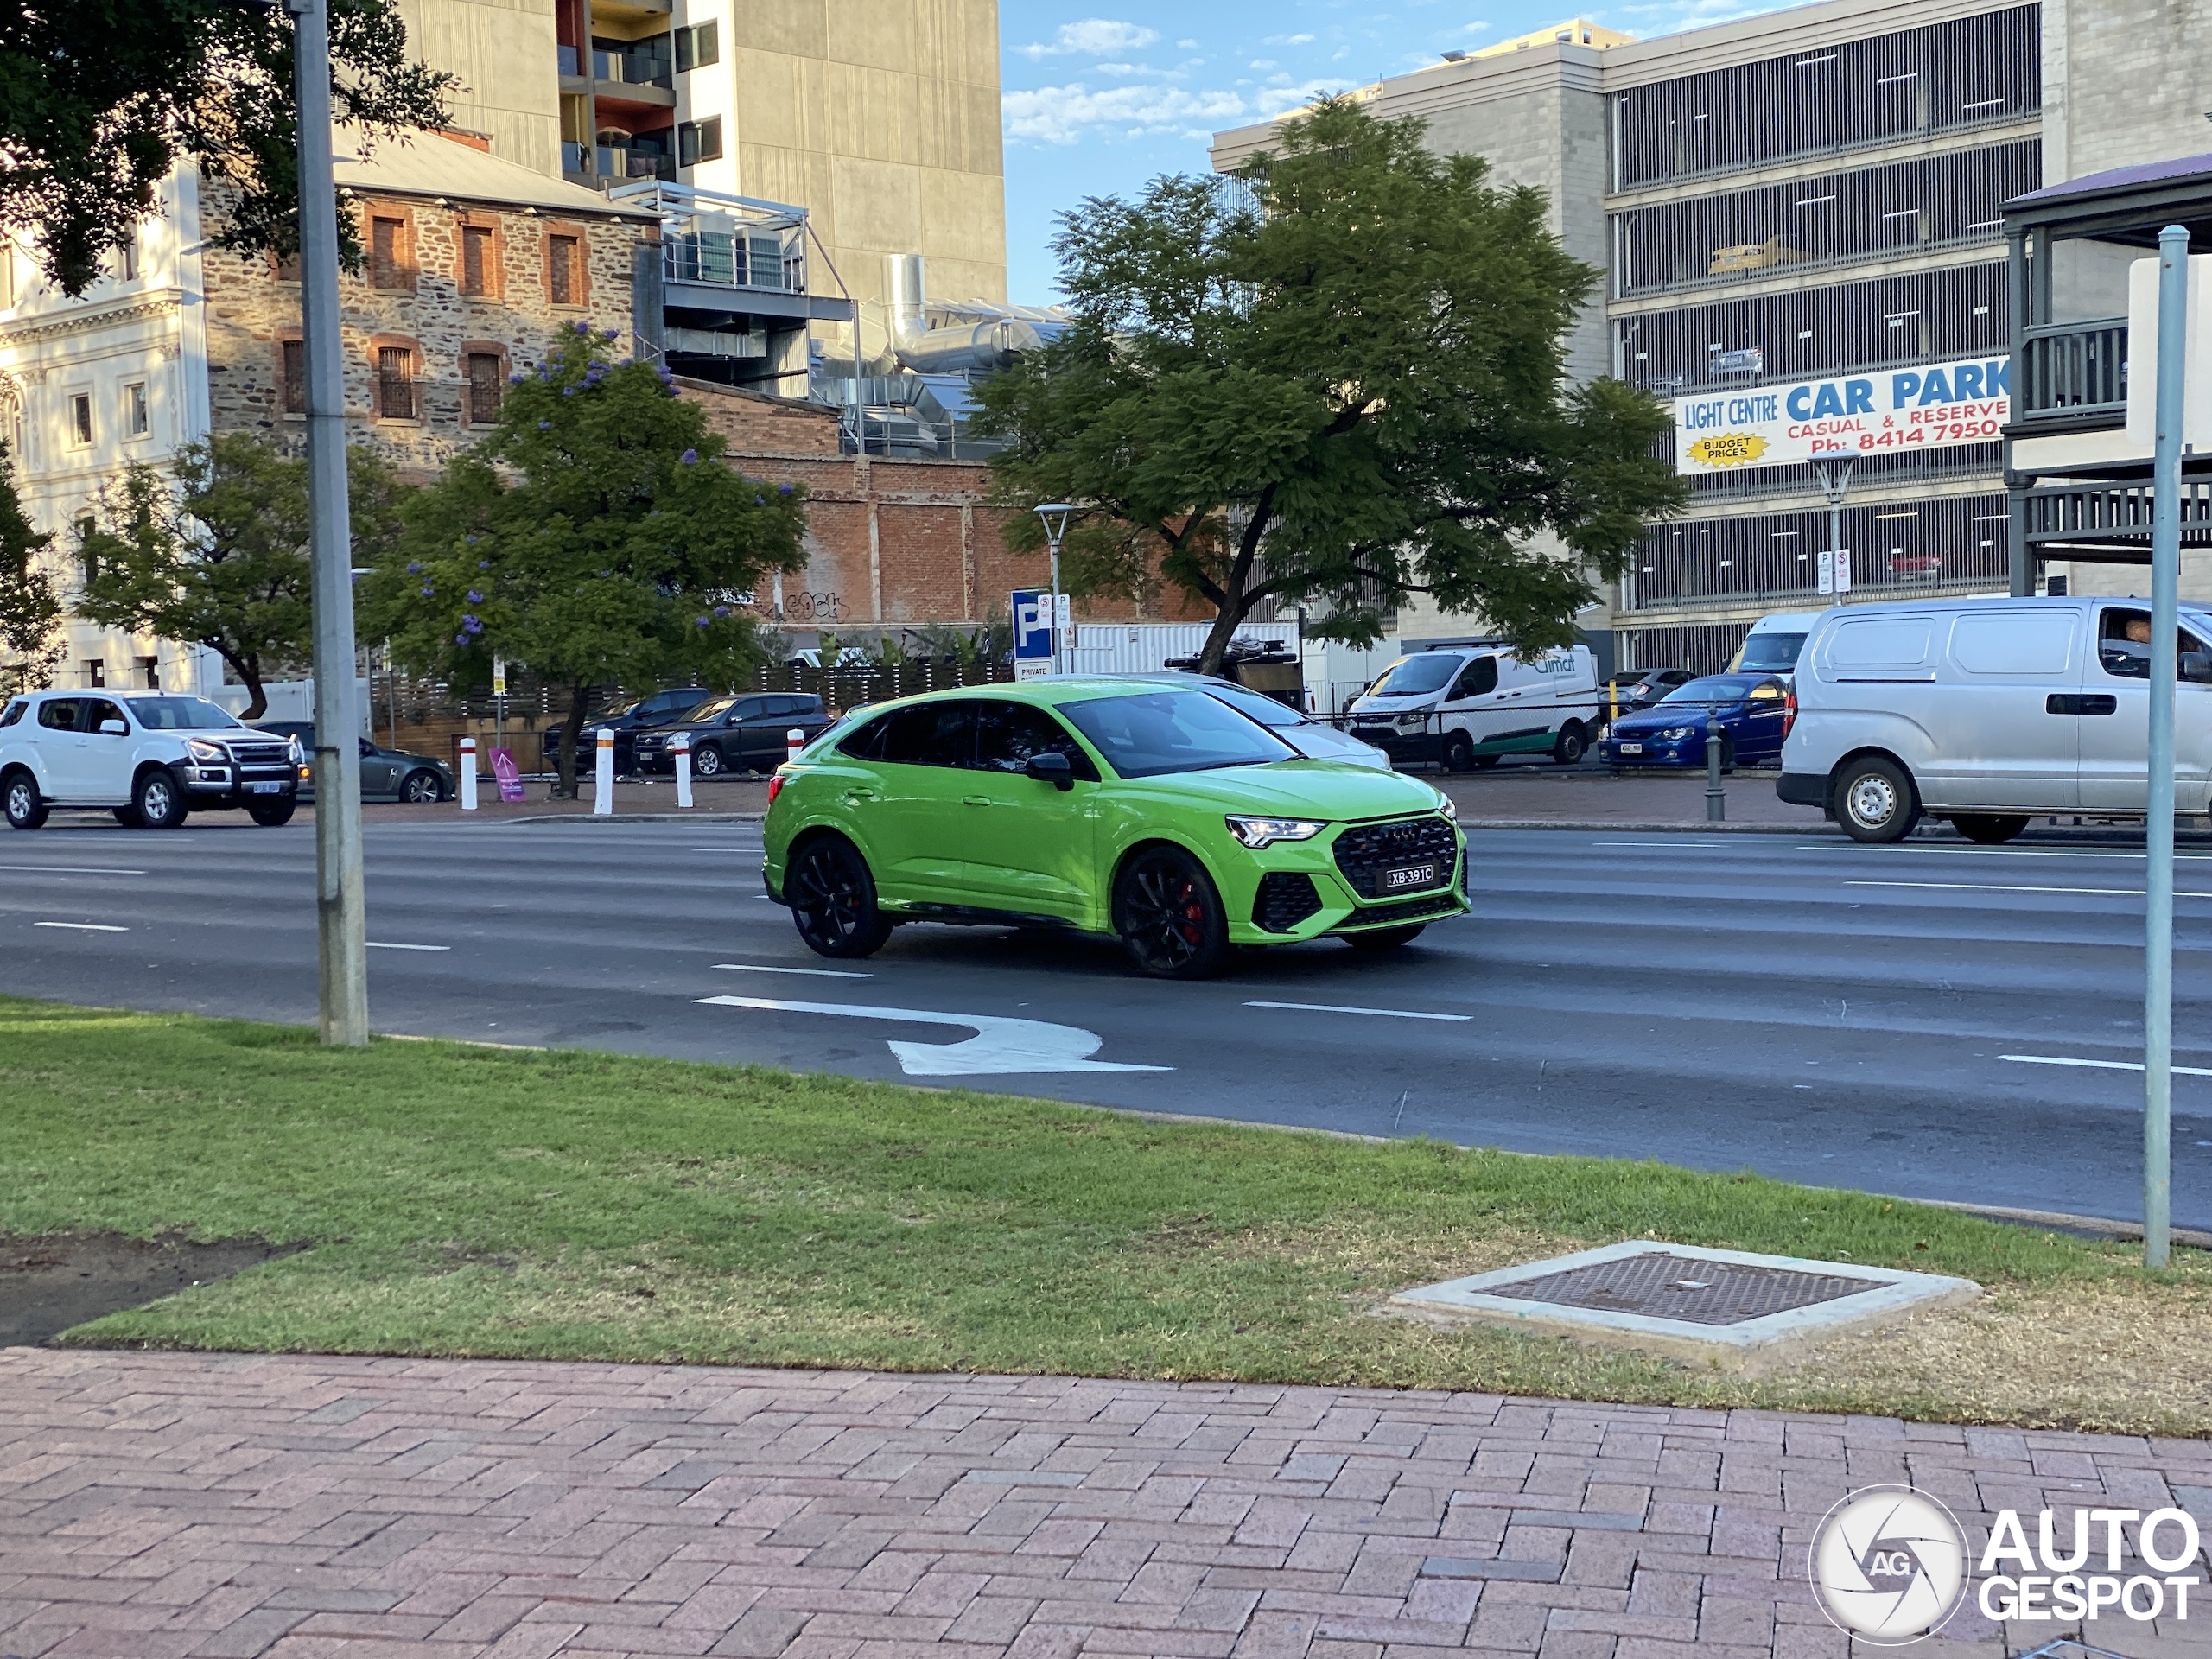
260, 754
1285, 898
1447, 903
1366, 850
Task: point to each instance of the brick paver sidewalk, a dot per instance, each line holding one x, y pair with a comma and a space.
159, 1504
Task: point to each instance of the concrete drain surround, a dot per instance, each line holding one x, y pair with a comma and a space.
1726, 1308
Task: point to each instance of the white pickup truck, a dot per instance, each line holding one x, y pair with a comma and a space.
151, 759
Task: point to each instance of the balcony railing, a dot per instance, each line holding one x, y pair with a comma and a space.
614, 163
2073, 374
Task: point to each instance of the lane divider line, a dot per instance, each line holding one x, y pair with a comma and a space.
1986, 852
379, 944
812, 973
1383, 1014
84, 927
2102, 1065
66, 869
2000, 887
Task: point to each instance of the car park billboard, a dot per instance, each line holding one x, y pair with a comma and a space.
1930, 406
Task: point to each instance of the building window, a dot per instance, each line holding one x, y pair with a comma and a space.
7, 274
81, 417
389, 266
699, 141
485, 387
126, 259
395, 384
150, 672
287, 266
135, 419
697, 47
295, 377
476, 261
95, 675
564, 270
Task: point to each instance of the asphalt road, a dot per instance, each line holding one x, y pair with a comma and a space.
1939, 1021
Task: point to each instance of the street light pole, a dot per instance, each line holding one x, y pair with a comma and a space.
1054, 517
340, 909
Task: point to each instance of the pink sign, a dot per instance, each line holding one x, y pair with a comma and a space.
508, 774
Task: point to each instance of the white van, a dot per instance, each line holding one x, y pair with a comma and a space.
1461, 707
1774, 643
1989, 711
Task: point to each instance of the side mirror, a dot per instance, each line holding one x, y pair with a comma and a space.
2195, 668
1052, 767
114, 728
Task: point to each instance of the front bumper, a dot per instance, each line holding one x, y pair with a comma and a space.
1297, 890
208, 785
1654, 751
1423, 748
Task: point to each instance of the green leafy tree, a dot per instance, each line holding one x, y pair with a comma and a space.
595, 536
100, 99
30, 611
217, 552
1338, 379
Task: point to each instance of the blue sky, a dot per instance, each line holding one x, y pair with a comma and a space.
1100, 98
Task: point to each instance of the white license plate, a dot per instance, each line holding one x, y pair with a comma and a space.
264, 789
1413, 876
1631, 748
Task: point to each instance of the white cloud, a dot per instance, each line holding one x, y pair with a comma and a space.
1264, 63
1062, 114
1186, 46
1288, 40
1093, 37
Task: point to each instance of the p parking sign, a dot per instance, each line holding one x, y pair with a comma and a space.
1031, 611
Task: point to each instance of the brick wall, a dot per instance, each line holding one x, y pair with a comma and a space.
252, 311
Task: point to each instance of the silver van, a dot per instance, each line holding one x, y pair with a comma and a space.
1989, 711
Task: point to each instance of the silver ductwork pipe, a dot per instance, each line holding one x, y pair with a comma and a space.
963, 347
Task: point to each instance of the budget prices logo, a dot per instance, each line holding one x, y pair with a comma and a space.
1890, 1565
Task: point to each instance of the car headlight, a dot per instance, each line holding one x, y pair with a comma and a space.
1675, 732
297, 754
200, 749
1411, 722
1263, 832
1448, 806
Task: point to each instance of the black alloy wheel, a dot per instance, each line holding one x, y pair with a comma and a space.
422, 788
1990, 828
157, 800
1385, 938
832, 897
272, 815
26, 806
707, 761
1458, 753
1169, 917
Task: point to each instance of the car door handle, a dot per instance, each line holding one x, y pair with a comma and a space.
2095, 702
855, 797
976, 800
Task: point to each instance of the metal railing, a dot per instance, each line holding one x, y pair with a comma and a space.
2111, 515
775, 261
2072, 372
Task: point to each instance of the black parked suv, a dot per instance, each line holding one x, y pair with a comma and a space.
626, 721
739, 731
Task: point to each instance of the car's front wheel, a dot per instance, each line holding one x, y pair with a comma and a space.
1458, 753
1168, 915
1384, 938
159, 802
26, 806
1990, 828
272, 815
421, 788
1874, 800
1572, 743
832, 896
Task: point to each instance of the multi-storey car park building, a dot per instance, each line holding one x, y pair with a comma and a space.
1816, 194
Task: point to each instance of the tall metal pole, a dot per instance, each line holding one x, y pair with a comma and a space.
1057, 664
2165, 572
341, 912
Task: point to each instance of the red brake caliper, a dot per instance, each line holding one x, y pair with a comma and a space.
1194, 914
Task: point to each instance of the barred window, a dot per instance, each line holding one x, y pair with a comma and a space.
485, 388
295, 377
476, 261
563, 269
395, 384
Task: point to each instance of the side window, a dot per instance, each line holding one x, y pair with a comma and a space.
931, 734
60, 714
865, 742
1008, 734
1476, 678
2123, 642
749, 709
368, 748
97, 712
1768, 692
782, 707
15, 712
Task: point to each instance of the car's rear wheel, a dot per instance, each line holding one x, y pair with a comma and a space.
1169, 916
128, 817
272, 815
705, 761
1458, 753
1384, 938
1875, 801
832, 896
1990, 828
1568, 749
26, 806
159, 802
421, 788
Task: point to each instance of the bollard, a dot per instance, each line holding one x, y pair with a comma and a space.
679, 748
602, 804
469, 774
794, 740
1716, 798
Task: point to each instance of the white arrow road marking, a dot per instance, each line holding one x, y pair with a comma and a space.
999, 1046
2102, 1066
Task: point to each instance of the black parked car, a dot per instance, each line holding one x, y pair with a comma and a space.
1639, 688
741, 731
626, 721
386, 774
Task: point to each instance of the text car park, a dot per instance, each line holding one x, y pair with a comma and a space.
151, 760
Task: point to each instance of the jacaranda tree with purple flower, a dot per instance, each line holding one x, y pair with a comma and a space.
595, 535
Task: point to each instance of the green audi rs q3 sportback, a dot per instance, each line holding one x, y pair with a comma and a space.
1157, 814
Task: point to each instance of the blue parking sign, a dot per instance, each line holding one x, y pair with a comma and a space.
1032, 633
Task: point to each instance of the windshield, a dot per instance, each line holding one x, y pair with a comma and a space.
1715, 688
1416, 677
180, 714
1255, 706
1161, 732
1774, 653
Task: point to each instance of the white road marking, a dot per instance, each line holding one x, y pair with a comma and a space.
2100, 1065
69, 869
721, 849
1998, 886
1983, 852
813, 973
379, 944
1338, 1008
1001, 1046
84, 927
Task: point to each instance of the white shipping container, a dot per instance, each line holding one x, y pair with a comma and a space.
1145, 647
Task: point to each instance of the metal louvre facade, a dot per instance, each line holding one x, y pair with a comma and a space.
1702, 647
1960, 73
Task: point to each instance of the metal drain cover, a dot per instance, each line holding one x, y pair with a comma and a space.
1717, 1307
1662, 1285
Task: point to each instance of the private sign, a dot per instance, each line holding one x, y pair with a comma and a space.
1927, 408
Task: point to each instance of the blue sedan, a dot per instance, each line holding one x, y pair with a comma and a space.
1753, 711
